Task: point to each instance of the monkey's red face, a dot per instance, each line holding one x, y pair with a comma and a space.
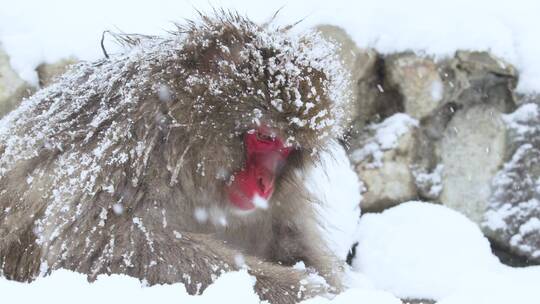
266, 154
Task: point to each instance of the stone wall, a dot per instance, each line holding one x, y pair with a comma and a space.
450, 131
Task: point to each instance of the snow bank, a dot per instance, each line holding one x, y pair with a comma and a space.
499, 286
420, 250
66, 287
356, 295
414, 250
35, 31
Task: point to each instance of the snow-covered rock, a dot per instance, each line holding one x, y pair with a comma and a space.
458, 142
513, 215
417, 79
361, 64
382, 158
47, 72
471, 151
12, 87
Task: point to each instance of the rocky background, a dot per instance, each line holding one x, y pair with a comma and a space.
450, 131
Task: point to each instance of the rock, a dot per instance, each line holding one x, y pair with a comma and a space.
428, 182
470, 139
471, 151
417, 79
513, 216
458, 142
12, 88
47, 72
481, 63
479, 78
361, 64
382, 159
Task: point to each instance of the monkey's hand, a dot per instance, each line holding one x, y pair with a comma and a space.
280, 284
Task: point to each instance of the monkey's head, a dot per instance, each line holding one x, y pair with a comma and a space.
264, 100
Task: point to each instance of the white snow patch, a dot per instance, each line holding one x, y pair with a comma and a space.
518, 119
260, 202
239, 260
118, 208
498, 286
63, 286
201, 215
385, 137
102, 217
356, 295
299, 266
432, 179
164, 93
421, 250
337, 187
437, 90
531, 226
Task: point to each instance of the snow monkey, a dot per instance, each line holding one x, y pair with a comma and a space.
178, 160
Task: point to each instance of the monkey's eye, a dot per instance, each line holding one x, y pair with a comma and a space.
265, 136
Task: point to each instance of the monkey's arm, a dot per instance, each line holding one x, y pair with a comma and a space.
297, 233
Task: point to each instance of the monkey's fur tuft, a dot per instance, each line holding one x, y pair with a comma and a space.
119, 167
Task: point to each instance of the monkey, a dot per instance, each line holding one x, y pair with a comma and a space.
177, 160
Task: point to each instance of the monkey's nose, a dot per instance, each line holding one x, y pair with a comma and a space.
264, 185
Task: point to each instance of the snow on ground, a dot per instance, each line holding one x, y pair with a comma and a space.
66, 287
420, 250
427, 251
414, 250
35, 31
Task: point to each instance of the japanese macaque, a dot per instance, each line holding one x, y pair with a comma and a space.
178, 160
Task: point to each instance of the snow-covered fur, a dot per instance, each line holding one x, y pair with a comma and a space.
119, 166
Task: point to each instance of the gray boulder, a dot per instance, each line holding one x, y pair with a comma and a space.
47, 72
471, 152
512, 219
12, 88
382, 156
